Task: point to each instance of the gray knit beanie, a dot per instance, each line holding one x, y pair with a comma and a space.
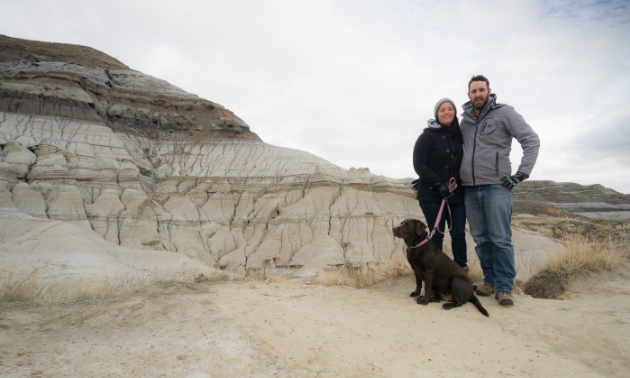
439, 103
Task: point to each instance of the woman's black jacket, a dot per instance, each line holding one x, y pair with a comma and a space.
436, 158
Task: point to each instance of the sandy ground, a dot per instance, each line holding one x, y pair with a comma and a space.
284, 329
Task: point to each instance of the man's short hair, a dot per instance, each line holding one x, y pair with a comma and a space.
479, 78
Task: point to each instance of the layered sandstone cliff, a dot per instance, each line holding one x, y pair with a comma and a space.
144, 165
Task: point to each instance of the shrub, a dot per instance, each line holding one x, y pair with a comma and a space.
580, 257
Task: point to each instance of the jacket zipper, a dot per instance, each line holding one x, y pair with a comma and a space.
450, 160
475, 142
496, 163
473, 157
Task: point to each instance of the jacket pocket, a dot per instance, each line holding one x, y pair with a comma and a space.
489, 126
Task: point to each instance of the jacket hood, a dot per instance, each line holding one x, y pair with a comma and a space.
453, 130
490, 105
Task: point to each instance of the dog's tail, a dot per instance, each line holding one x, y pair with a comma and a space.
474, 300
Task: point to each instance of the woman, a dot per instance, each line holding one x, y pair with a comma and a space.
436, 158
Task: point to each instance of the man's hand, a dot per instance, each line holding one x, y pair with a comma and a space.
443, 190
509, 182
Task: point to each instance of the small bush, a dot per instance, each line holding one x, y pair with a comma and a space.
546, 284
579, 257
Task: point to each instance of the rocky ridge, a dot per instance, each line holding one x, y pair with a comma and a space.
563, 209
560, 209
592, 201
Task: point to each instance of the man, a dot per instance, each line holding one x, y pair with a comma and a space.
487, 129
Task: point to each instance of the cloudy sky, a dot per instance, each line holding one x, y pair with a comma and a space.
354, 81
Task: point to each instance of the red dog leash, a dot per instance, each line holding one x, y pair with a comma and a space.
452, 185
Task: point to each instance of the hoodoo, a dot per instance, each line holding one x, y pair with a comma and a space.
101, 160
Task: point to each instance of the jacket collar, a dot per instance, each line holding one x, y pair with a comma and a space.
490, 105
433, 124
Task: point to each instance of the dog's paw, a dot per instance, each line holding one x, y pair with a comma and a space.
414, 294
420, 300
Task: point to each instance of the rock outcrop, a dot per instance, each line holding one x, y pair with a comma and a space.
57, 252
145, 166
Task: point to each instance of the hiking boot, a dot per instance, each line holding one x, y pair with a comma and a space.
504, 297
485, 290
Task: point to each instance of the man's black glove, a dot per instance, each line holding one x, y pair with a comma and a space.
416, 184
509, 182
443, 190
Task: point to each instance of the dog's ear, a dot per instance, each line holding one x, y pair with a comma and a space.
420, 227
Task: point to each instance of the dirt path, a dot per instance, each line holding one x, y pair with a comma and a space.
258, 329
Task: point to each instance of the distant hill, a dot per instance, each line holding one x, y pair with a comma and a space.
561, 199
560, 209
567, 198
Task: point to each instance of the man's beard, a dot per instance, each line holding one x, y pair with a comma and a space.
483, 104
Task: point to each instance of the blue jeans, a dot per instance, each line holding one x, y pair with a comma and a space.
458, 232
489, 211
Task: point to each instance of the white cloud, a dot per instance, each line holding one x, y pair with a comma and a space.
355, 81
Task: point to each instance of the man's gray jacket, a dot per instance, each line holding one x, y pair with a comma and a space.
488, 142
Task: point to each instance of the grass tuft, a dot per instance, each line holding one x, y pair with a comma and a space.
31, 287
381, 273
474, 271
367, 275
580, 257
17, 287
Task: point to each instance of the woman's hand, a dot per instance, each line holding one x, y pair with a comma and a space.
443, 190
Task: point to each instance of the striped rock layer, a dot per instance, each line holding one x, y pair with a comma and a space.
145, 166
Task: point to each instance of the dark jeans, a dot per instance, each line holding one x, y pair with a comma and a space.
489, 210
458, 232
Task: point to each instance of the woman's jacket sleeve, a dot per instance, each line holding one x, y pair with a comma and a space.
421, 153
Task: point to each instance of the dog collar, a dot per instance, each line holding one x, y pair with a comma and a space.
421, 243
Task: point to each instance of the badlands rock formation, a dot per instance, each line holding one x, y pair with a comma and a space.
98, 159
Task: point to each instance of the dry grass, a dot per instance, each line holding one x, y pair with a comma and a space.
475, 273
15, 287
55, 52
382, 273
583, 256
368, 275
580, 257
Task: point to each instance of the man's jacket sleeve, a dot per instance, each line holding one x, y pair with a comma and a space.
527, 137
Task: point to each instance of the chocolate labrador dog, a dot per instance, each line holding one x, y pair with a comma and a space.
443, 278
